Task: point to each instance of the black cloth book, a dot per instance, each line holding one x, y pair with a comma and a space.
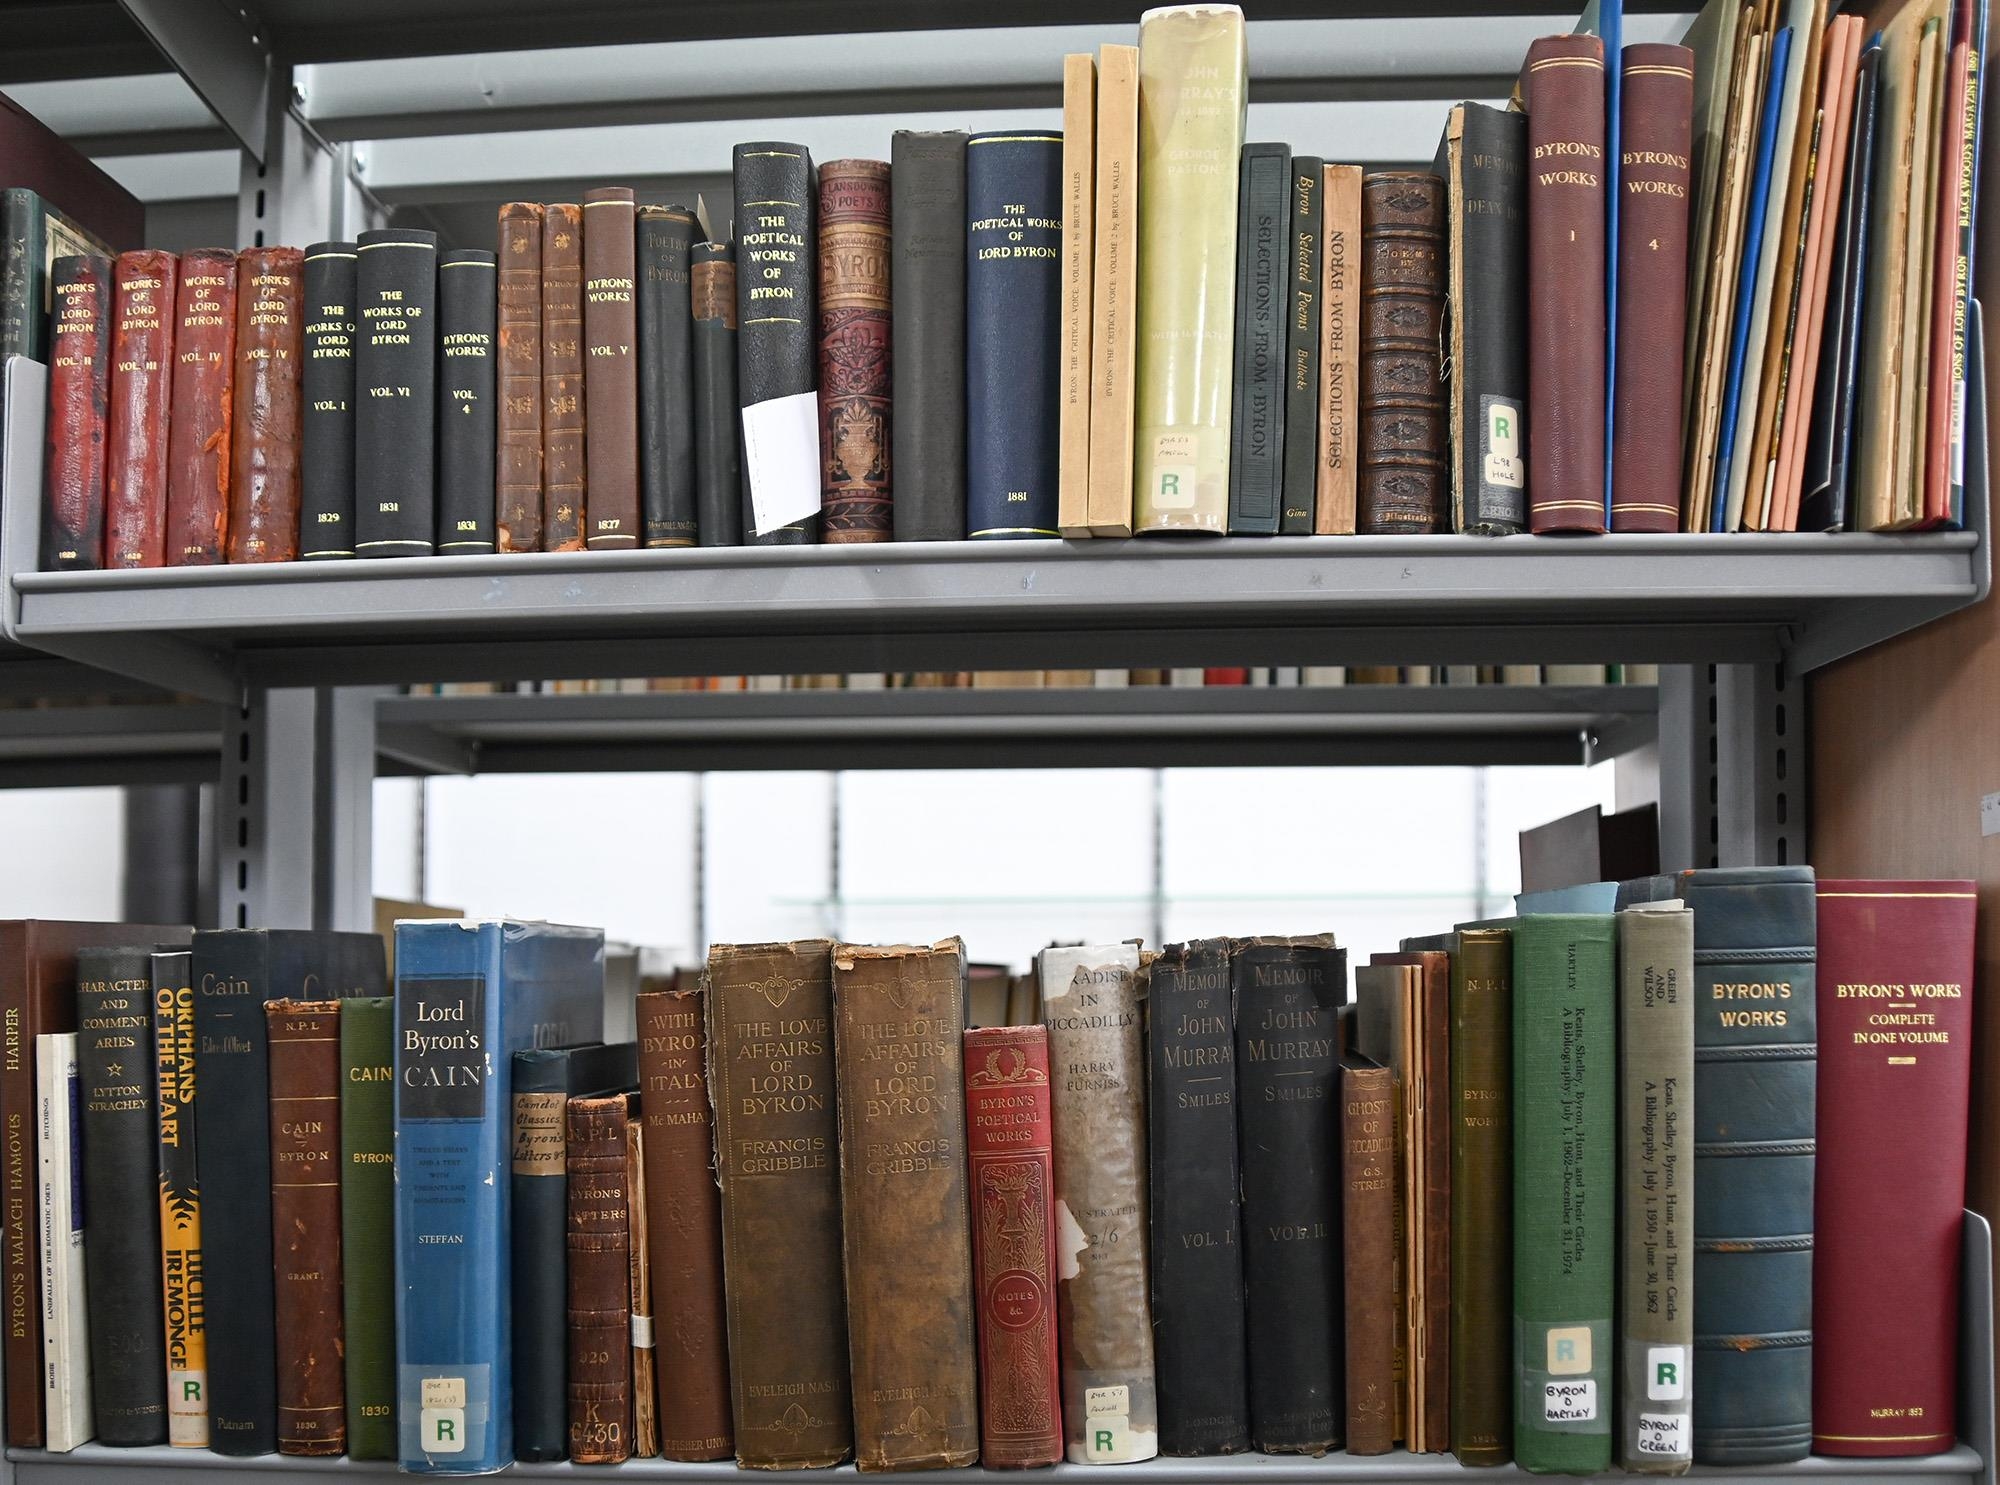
927, 333
666, 236
777, 302
1197, 1245
719, 496
1302, 344
395, 391
1258, 395
468, 310
326, 433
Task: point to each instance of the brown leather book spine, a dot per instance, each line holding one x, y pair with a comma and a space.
683, 1228
1657, 148
198, 426
79, 392
854, 350
1368, 1220
518, 516
899, 1020
305, 1223
562, 378
142, 385
1566, 283
600, 1295
1405, 480
264, 446
1338, 477
611, 368
645, 1403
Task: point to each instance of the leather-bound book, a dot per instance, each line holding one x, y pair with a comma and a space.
517, 490
1091, 1006
264, 430
770, 1015
79, 400
684, 1226
1567, 231
639, 1271
563, 409
180, 1200
121, 1209
1339, 477
854, 411
666, 236
395, 388
1368, 1148
600, 1298
465, 434
142, 381
777, 313
367, 1222
1302, 326
198, 432
1405, 480
1895, 1078
1197, 1230
610, 369
718, 441
1013, 294
899, 1024
326, 394
305, 1222
1288, 996
1010, 1148
927, 333
1653, 205
1257, 397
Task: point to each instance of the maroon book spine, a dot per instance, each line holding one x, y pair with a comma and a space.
854, 350
79, 388
199, 417
264, 450
611, 369
142, 385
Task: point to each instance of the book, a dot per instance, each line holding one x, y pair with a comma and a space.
185, 1329
927, 333
1338, 484
1009, 1140
121, 1229
1919, 287
1404, 472
1197, 1240
1714, 38
511, 986
639, 1276
1257, 393
327, 279
1386, 1030
1090, 1004
517, 490
1368, 1161
1302, 348
64, 1373
1288, 995
1958, 227
666, 239
770, 1015
1606, 19
264, 429
1013, 328
33, 234
40, 160
853, 340
466, 433
599, 1313
563, 385
610, 514
142, 372
899, 1025
395, 389
79, 401
1895, 1018
778, 318
305, 1220
1077, 316
203, 404
367, 1222
1114, 291
718, 467
1193, 71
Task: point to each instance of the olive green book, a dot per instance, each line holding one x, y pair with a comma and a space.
367, 1222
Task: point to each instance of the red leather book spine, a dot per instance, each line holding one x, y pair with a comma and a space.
1657, 146
305, 1221
79, 386
198, 425
1895, 1080
611, 369
854, 350
264, 452
1226, 675
1009, 1143
1566, 296
142, 381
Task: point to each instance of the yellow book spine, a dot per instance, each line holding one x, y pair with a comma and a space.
1079, 203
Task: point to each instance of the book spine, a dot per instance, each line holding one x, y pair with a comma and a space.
66, 1375
1257, 400
1338, 483
1079, 222
326, 390
1013, 304
610, 369
684, 1227
1405, 477
666, 236
1302, 325
1490, 274
518, 483
1368, 1126
23, 275
927, 334
79, 397
1197, 1236
776, 309
900, 1064
563, 388
1567, 231
538, 1177
1114, 292
305, 1218
1193, 72
142, 376
1482, 1157
1956, 217
395, 388
204, 399
1288, 996
367, 1222
186, 1330
639, 1273
264, 430
1657, 146
718, 453
1009, 1137
21, 1249
600, 1301
465, 432
854, 410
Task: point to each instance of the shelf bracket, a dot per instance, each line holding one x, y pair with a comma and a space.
1687, 767
1760, 772
224, 52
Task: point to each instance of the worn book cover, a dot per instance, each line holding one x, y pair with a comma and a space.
142, 374
1388, 1000
1339, 481
598, 1251
610, 370
1368, 1155
1114, 292
305, 1220
639, 1272
264, 429
853, 339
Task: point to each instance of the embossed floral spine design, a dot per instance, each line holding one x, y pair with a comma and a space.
854, 349
1405, 482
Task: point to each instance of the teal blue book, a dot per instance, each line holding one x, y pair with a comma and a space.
1586, 897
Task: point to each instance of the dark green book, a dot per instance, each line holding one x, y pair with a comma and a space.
367, 1222
33, 234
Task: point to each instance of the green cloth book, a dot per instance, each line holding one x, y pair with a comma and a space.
367, 1222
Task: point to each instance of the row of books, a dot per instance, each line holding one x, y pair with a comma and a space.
1608, 1180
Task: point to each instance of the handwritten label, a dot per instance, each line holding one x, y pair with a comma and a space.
1569, 1402
1664, 1435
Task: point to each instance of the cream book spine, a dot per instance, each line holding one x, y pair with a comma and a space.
1115, 292
66, 1393
1079, 213
1338, 484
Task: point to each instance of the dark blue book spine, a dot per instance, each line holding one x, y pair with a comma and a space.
1013, 290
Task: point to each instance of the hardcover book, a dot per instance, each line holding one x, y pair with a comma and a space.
63, 1379
1405, 478
1114, 291
395, 390
142, 376
777, 314
718, 468
79, 401
367, 1222
610, 514
33, 234
1339, 352
1368, 1155
466, 436
563, 387
518, 482
854, 367
1302, 313
1077, 316
667, 236
305, 1219
1386, 1027
203, 402
326, 399
179, 1199
264, 429
927, 333
1257, 399
639, 1275
599, 1311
